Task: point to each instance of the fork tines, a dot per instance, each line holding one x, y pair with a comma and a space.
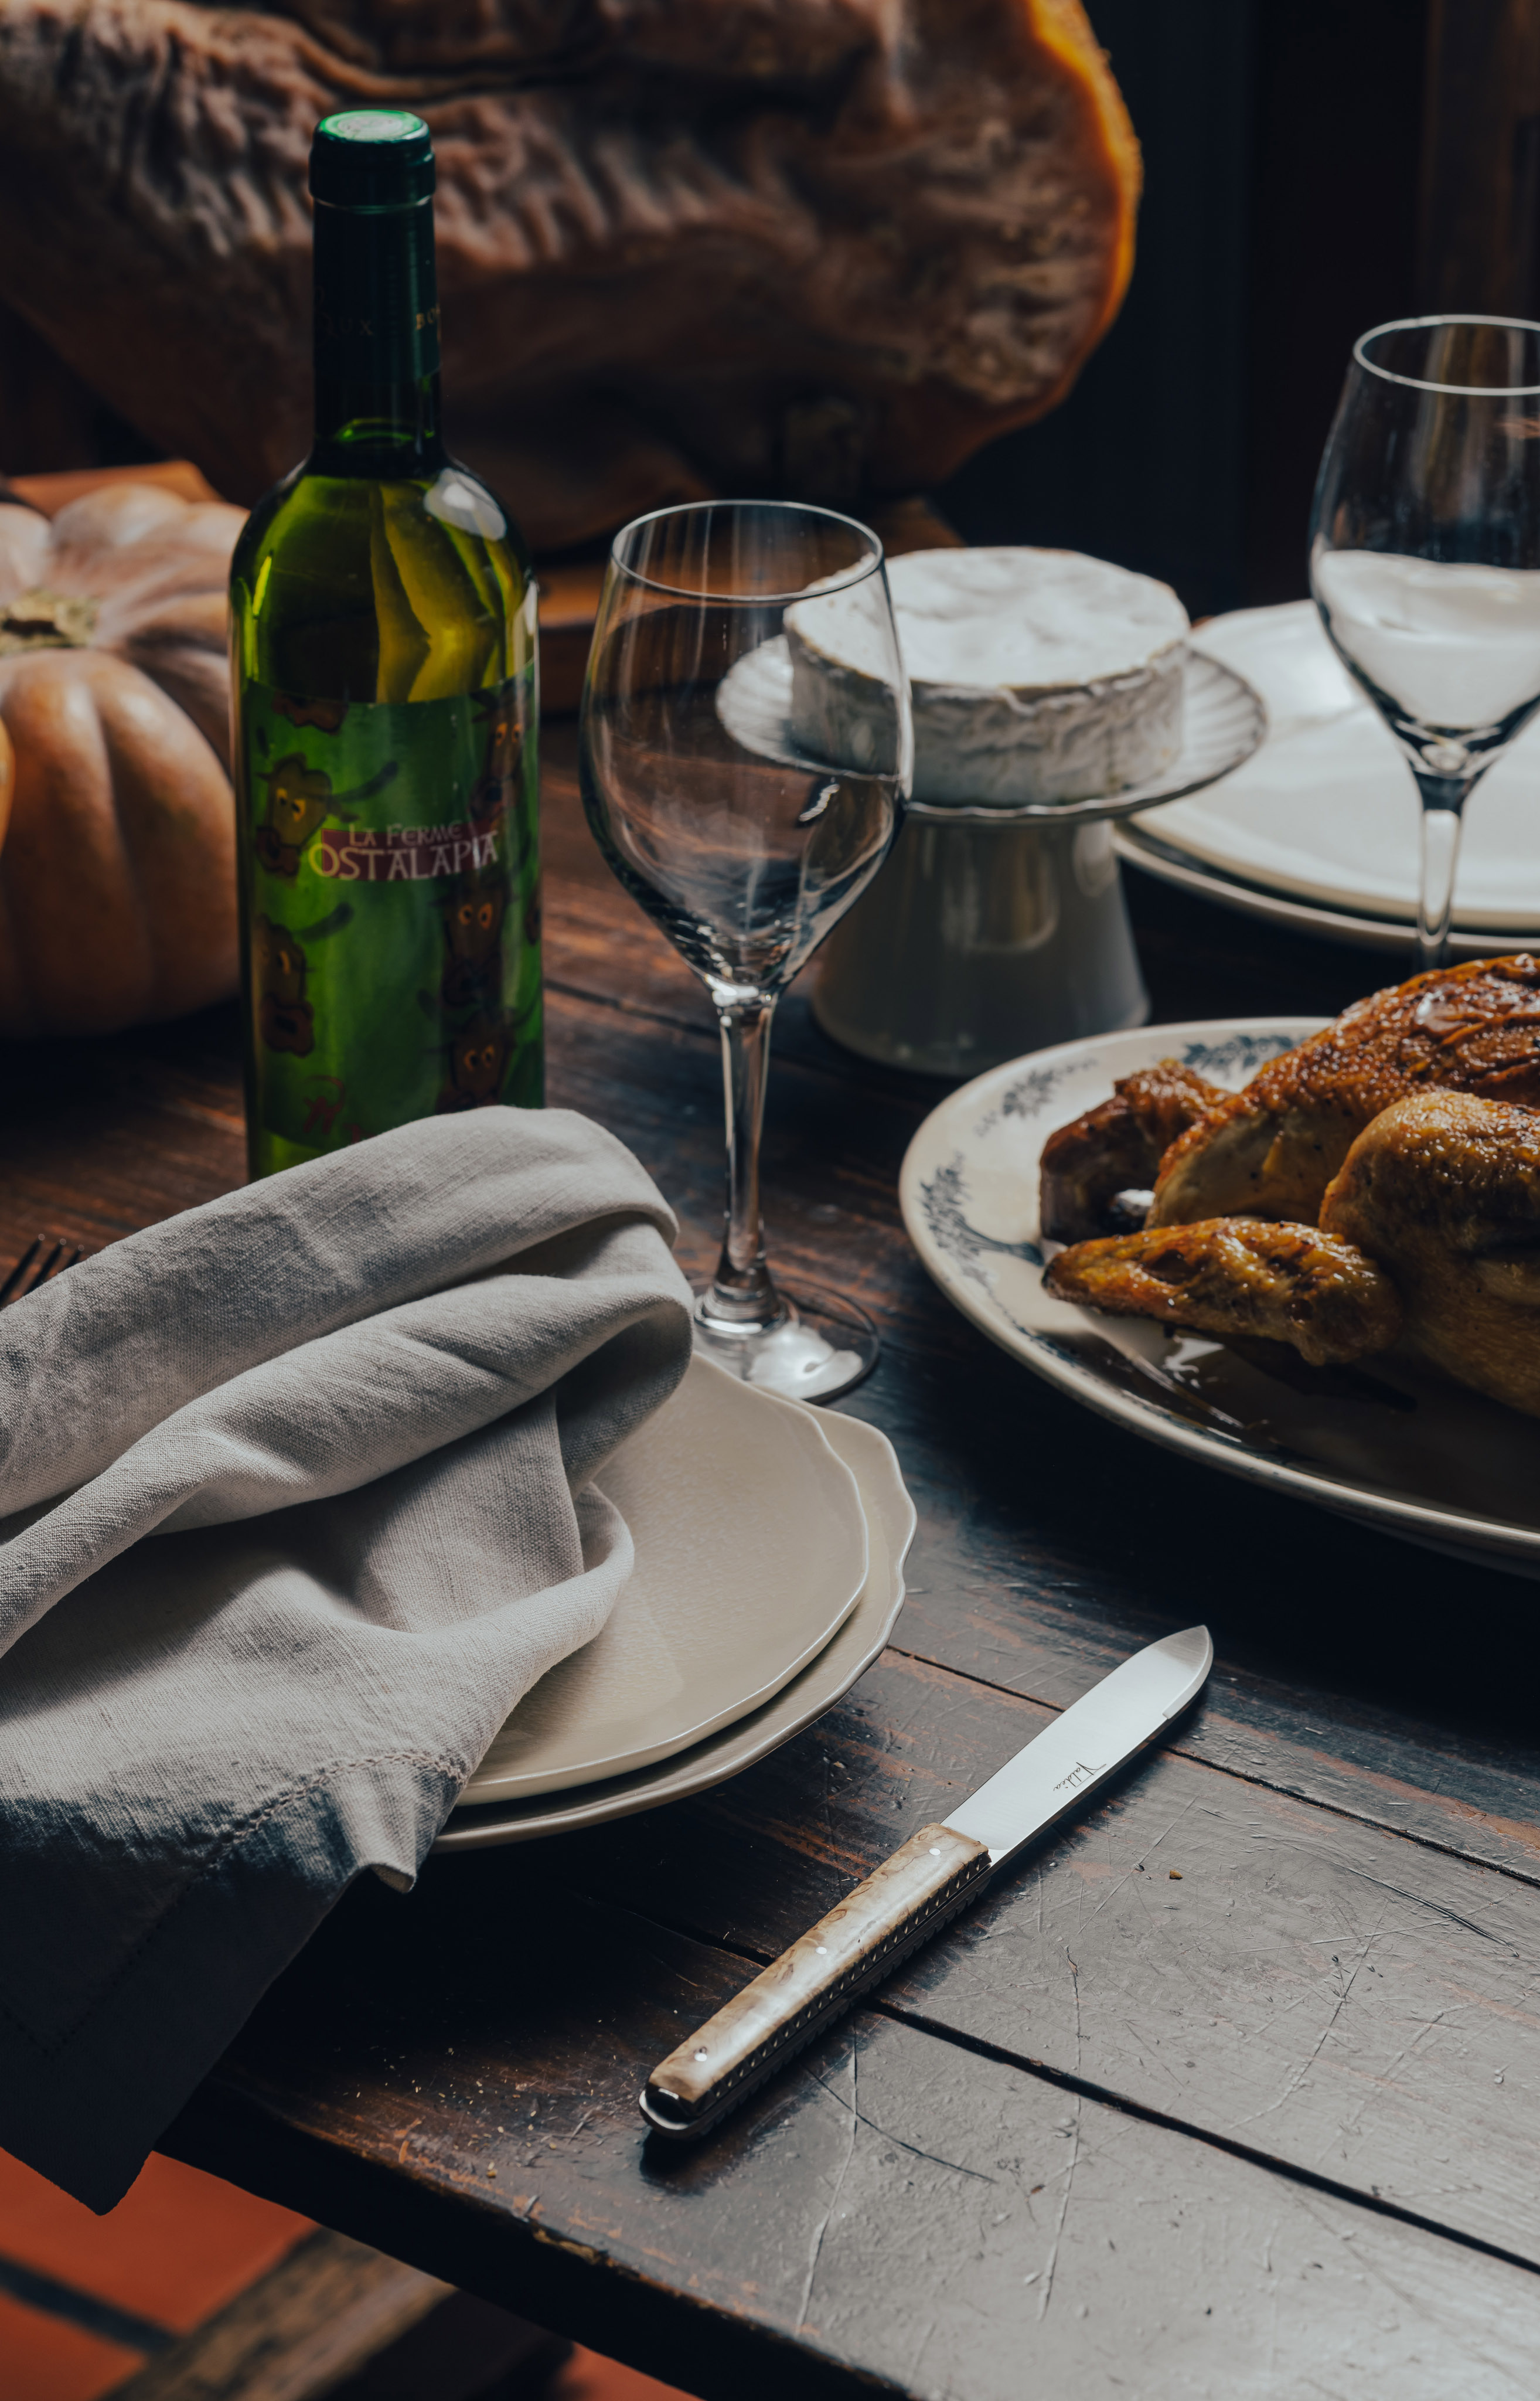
44, 1257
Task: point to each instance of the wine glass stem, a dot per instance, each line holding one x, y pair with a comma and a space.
742, 1293
1443, 798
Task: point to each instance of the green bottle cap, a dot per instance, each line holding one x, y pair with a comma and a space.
372, 158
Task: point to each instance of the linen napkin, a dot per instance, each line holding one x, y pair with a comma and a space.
299, 1501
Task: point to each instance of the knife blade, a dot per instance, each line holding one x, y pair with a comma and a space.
923, 1885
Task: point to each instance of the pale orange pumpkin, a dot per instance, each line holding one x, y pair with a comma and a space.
117, 896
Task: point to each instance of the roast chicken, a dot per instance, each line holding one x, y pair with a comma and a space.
1273, 1148
1380, 1182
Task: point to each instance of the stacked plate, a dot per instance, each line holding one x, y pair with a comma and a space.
1318, 829
769, 1545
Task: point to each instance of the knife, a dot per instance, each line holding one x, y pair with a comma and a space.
911, 1896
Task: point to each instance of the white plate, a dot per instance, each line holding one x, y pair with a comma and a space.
1223, 721
751, 1549
890, 1516
1389, 1443
1389, 937
1326, 810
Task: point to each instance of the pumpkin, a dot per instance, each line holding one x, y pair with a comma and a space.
117, 892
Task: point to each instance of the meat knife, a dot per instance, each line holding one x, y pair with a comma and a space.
905, 1900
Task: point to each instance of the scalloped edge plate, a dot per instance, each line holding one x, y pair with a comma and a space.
891, 1521
732, 1592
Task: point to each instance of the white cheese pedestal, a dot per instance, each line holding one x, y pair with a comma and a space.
978, 942
997, 929
1051, 693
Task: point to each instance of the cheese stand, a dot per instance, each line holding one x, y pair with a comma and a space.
1051, 693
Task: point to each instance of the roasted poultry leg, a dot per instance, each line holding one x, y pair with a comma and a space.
1431, 1230
1444, 1192
1245, 1277
1118, 1145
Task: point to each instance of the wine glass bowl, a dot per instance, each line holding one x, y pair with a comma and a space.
744, 836
1425, 558
741, 864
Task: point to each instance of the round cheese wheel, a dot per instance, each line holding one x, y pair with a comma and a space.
1036, 675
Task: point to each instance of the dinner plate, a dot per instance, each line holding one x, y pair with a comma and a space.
1325, 811
1138, 848
751, 1550
890, 1518
1388, 1442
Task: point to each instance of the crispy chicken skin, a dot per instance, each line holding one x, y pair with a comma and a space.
1272, 1149
1117, 1145
1242, 1277
1444, 1190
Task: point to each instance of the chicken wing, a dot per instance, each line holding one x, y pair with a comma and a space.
1443, 1190
1117, 1146
1272, 1149
1243, 1277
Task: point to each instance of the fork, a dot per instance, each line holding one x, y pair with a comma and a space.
44, 1257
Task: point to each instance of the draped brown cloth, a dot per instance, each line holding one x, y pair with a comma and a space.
820, 247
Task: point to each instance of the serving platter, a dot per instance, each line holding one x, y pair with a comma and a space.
1324, 813
890, 1518
751, 1550
1389, 1443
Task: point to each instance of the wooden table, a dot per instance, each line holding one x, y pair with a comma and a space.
1233, 2089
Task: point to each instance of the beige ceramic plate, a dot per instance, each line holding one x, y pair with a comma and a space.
890, 1520
1388, 1442
751, 1549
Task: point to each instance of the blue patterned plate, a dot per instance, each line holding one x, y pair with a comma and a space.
1389, 1443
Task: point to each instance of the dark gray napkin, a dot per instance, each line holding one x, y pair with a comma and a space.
298, 1505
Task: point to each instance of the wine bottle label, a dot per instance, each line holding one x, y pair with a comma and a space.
391, 857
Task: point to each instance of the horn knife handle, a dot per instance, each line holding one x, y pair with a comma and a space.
897, 1907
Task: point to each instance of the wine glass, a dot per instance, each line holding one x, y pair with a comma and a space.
1425, 558
745, 798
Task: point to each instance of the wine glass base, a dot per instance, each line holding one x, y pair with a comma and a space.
824, 1346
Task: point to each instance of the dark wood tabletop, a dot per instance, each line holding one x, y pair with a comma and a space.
1233, 2089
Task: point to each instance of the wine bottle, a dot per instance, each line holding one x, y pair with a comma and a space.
383, 654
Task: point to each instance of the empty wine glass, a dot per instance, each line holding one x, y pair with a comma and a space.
745, 754
1425, 558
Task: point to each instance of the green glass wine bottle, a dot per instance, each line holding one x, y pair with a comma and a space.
384, 651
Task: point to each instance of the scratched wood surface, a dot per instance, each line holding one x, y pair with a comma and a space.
1264, 2125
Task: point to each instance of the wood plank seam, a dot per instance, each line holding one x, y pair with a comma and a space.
981, 2047
755, 1957
916, 2020
1292, 1791
489, 2235
53, 2299
834, 1070
634, 1010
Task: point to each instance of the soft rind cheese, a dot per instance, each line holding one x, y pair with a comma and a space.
1036, 675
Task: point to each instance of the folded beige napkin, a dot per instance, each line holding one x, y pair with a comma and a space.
299, 1501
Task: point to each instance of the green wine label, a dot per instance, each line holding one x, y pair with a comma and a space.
390, 877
